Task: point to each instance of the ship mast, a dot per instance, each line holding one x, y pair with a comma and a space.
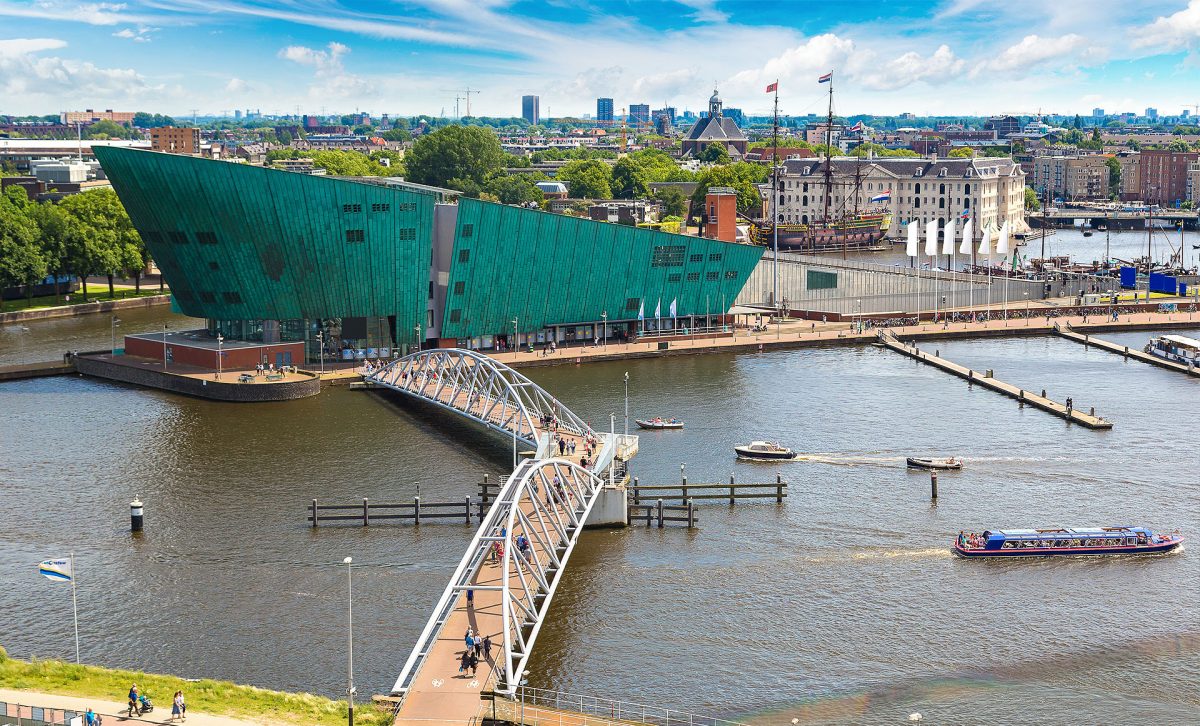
828, 150
775, 194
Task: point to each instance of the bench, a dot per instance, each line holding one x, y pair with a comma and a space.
275, 377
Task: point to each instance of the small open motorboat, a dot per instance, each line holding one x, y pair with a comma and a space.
926, 463
1062, 541
1087, 233
764, 451
660, 423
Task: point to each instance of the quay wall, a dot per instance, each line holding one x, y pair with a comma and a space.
199, 387
98, 306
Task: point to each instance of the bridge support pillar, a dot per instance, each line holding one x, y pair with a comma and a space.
610, 510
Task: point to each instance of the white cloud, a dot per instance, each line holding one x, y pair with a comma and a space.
911, 67
705, 11
331, 80
1171, 33
89, 13
23, 46
139, 35
237, 85
800, 64
1069, 51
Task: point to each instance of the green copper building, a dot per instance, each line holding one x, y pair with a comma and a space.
374, 265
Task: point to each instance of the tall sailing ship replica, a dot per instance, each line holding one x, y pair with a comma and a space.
859, 230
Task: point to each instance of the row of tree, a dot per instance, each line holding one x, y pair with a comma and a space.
84, 234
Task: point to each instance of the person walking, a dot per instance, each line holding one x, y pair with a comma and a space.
177, 706
465, 663
90, 718
487, 647
473, 663
133, 701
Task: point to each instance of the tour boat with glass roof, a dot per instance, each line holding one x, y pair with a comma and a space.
1063, 541
1175, 348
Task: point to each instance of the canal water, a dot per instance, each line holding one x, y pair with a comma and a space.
843, 605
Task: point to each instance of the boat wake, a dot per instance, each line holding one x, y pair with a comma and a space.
842, 460
907, 554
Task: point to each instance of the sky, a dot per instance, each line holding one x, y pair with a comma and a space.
413, 57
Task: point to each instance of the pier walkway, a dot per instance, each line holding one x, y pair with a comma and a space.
985, 379
1126, 351
504, 584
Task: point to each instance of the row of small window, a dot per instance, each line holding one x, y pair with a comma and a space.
358, 235
672, 256
231, 298
380, 207
460, 286
180, 238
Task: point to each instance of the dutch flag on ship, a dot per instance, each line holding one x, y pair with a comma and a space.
885, 197
826, 78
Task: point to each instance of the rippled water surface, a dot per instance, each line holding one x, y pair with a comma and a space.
842, 605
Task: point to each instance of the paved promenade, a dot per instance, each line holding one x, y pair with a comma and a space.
114, 713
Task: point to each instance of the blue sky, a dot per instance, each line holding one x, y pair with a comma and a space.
406, 57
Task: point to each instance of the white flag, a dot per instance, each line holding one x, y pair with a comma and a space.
672, 307
642, 310
931, 237
58, 570
657, 309
948, 238
1002, 241
985, 242
965, 247
914, 235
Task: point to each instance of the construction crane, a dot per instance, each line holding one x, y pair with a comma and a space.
467, 95
622, 129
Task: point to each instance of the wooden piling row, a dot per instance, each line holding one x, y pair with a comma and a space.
365, 514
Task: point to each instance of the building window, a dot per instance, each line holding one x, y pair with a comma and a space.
967, 190
632, 303
731, 274
674, 277
696, 258
667, 256
942, 203
407, 207
348, 208
460, 287
207, 297
232, 298
383, 207
917, 188
467, 231
805, 189
693, 277
184, 295
354, 235
206, 238
464, 255
455, 316
407, 233
213, 266
710, 276
714, 257
178, 238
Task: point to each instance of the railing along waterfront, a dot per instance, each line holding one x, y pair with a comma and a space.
606, 710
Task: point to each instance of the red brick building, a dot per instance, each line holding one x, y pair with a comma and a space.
1164, 175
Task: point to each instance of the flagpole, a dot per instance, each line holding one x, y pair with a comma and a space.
75, 607
775, 189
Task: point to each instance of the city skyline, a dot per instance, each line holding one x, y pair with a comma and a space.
959, 57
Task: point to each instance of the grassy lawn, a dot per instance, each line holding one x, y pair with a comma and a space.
207, 696
95, 294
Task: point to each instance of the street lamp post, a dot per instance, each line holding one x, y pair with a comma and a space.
349, 640
858, 314
165, 329
220, 340
321, 350
626, 403
521, 683
418, 329
115, 322
604, 317
516, 343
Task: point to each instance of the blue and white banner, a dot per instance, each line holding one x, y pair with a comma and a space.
642, 310
59, 570
658, 310
672, 307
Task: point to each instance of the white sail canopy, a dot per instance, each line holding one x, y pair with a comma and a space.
948, 238
1002, 241
914, 238
985, 242
931, 237
965, 247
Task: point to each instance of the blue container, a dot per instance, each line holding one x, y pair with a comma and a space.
1128, 277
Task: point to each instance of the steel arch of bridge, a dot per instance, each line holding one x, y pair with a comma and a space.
551, 518
479, 388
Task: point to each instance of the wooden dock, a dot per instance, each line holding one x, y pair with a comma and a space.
685, 491
663, 513
415, 511
987, 380
1126, 351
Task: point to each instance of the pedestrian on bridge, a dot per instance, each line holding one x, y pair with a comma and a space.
487, 647
465, 663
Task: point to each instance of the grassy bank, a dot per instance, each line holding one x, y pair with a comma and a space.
203, 696
94, 295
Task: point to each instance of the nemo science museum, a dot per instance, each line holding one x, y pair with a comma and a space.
374, 267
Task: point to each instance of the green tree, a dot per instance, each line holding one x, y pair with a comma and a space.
55, 237
1179, 145
742, 176
455, 152
21, 260
674, 201
515, 189
1114, 175
962, 152
629, 179
1031, 200
104, 242
590, 179
714, 154
395, 135
105, 129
